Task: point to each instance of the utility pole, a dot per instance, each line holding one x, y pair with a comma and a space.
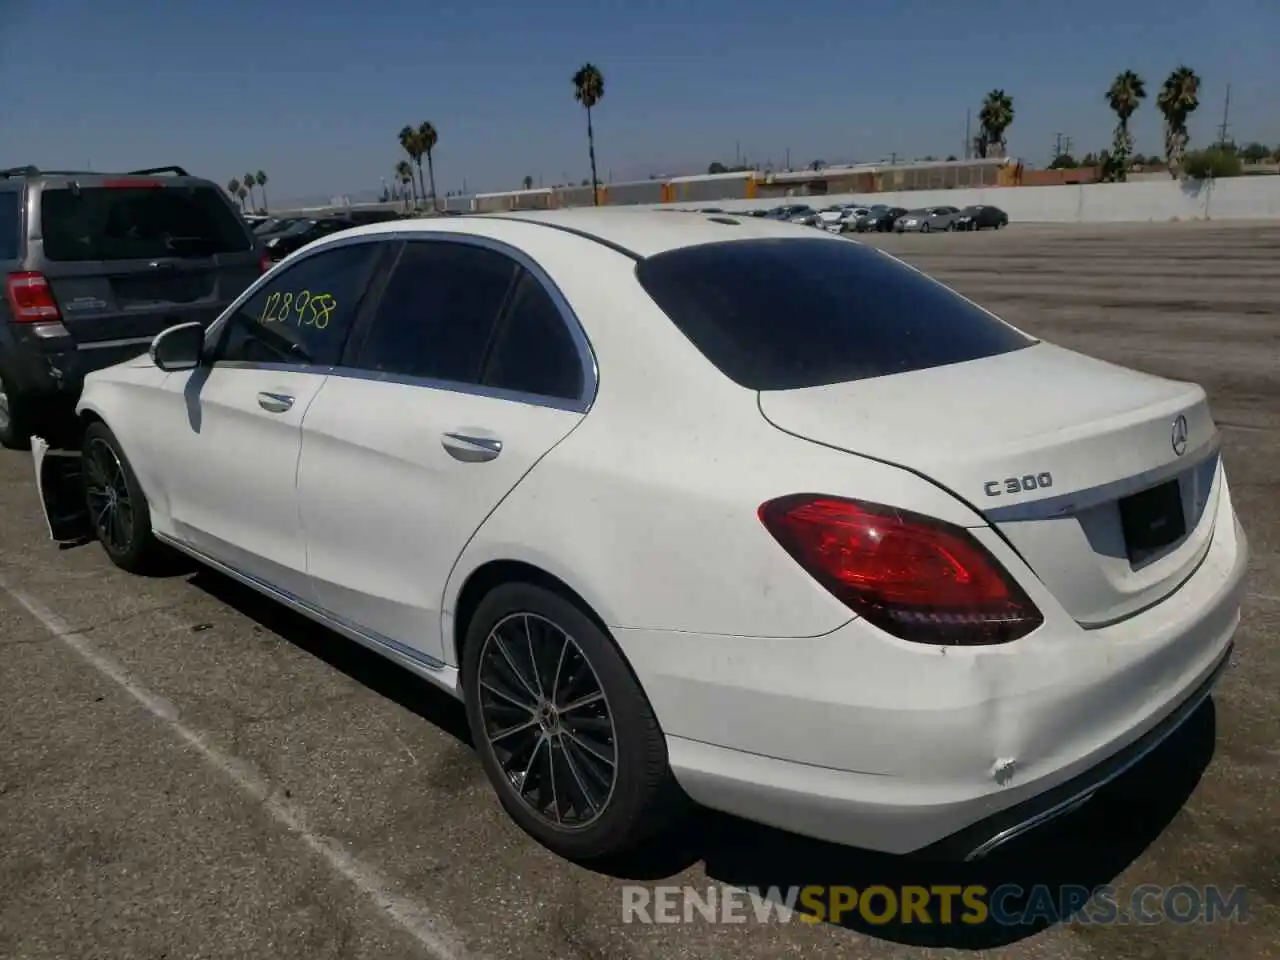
788, 161
1226, 115
968, 140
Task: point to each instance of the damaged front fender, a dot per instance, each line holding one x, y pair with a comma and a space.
61, 489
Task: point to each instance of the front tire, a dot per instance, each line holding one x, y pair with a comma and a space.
564, 731
118, 511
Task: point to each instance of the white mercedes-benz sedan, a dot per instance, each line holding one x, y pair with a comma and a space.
704, 507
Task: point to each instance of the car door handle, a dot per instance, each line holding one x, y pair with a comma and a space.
471, 449
275, 402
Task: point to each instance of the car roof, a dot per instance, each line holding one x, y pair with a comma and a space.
637, 233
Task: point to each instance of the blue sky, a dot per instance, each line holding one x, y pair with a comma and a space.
315, 94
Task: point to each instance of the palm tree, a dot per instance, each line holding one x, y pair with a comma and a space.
233, 188
242, 193
1126, 93
588, 90
994, 118
1177, 100
262, 185
411, 143
527, 182
249, 181
428, 138
404, 174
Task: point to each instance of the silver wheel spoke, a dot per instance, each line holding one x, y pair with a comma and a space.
533, 657
582, 744
511, 731
502, 648
586, 701
555, 680
506, 696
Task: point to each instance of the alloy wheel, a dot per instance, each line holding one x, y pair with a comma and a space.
6, 417
548, 721
107, 495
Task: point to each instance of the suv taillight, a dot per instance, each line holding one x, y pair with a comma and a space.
264, 262
30, 298
912, 576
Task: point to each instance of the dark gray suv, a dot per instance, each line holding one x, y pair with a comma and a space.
96, 264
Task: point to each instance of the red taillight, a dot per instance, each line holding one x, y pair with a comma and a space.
30, 298
912, 576
264, 262
121, 183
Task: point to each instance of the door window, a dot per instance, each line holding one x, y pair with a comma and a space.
302, 315
437, 316
10, 225
534, 352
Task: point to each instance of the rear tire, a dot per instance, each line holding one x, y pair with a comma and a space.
118, 511
564, 731
15, 430
924, 228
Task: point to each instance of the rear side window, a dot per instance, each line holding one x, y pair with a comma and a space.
139, 223
534, 352
791, 313
10, 225
437, 315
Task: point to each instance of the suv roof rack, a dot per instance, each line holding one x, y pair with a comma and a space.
31, 170
175, 170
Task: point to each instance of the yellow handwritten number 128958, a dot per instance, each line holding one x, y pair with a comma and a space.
303, 309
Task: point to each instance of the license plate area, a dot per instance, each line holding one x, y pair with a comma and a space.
153, 289
1152, 520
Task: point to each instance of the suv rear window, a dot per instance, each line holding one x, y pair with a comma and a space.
139, 223
789, 313
10, 225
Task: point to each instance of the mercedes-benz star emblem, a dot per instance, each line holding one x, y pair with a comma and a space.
1180, 435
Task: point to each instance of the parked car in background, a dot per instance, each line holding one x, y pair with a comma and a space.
94, 265
362, 217
274, 225
303, 232
980, 216
927, 219
840, 218
790, 212
879, 219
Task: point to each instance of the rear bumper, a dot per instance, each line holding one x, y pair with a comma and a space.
857, 740
56, 368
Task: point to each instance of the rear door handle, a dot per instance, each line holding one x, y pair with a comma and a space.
469, 448
275, 402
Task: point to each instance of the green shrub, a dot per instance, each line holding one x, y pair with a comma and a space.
1211, 163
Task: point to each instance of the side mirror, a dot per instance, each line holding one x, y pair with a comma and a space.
178, 348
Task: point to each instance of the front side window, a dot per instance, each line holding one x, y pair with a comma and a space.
437, 316
139, 223
304, 314
534, 352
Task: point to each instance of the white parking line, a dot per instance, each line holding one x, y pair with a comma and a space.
435, 936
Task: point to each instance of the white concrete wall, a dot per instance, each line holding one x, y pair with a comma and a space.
1235, 198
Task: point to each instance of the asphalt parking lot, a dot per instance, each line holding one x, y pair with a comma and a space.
187, 771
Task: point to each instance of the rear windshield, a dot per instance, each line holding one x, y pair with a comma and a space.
798, 312
10, 225
139, 223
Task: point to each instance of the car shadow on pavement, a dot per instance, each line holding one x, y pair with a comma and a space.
364, 666
1083, 850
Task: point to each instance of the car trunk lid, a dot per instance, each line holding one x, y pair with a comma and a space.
1102, 478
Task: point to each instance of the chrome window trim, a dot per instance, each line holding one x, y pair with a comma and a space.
582, 344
